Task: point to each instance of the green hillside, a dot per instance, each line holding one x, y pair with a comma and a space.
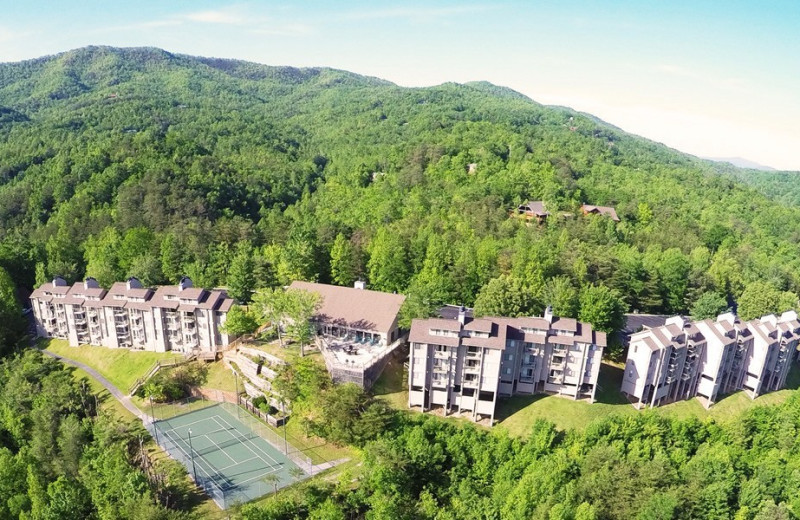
117, 162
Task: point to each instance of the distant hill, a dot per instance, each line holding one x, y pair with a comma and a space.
140, 161
741, 163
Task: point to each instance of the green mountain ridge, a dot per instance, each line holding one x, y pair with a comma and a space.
116, 162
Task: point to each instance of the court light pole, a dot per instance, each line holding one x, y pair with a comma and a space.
153, 418
191, 453
285, 444
236, 379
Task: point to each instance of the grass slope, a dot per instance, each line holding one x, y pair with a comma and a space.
120, 366
516, 414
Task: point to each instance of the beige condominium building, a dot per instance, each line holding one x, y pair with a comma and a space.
709, 358
179, 318
463, 365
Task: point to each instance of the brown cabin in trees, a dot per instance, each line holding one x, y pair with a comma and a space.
533, 209
606, 211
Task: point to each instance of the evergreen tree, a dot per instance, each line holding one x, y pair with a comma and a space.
387, 265
241, 274
344, 264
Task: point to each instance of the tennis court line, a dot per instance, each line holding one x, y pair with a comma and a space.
208, 476
245, 439
188, 424
259, 477
239, 463
219, 448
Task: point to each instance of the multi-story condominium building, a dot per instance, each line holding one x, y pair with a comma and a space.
178, 318
664, 363
774, 342
723, 363
707, 359
465, 364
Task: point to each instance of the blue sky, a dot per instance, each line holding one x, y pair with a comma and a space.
712, 78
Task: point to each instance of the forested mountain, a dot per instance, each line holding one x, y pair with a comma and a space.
118, 162
781, 186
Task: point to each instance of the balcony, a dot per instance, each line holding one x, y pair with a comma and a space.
476, 369
471, 383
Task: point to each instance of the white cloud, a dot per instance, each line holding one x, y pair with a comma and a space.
732, 84
289, 29
225, 17
158, 23
9, 35
416, 14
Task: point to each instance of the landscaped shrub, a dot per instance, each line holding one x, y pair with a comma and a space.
174, 383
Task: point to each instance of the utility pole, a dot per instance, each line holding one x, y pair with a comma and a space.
191, 454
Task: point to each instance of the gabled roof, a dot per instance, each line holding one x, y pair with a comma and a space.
355, 308
502, 328
534, 206
606, 211
49, 289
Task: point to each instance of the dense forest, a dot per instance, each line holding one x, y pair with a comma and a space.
60, 459
645, 467
117, 162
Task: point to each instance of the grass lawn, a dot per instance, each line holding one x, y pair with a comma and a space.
289, 353
516, 414
120, 366
220, 377
392, 386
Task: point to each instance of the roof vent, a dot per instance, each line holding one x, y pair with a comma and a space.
548, 313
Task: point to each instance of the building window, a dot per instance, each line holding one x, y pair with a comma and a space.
508, 371
510, 357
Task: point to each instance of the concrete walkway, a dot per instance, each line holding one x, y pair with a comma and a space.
113, 390
317, 468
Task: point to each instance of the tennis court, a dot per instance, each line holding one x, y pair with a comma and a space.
226, 458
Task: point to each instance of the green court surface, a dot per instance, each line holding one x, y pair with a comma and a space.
231, 462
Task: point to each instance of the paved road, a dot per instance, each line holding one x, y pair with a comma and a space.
113, 390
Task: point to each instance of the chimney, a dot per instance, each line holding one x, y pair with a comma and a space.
548, 314
185, 283
360, 284
462, 315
